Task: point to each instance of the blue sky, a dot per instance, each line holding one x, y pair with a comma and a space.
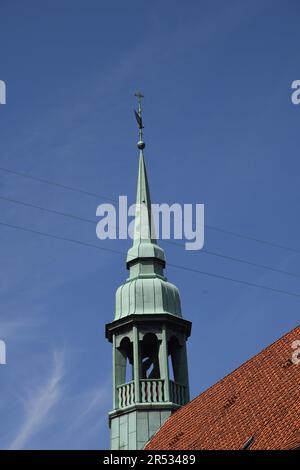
220, 130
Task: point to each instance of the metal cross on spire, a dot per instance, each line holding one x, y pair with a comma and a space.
139, 120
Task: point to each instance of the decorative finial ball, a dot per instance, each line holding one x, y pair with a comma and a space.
141, 145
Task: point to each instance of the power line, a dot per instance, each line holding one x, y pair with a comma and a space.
54, 183
58, 237
258, 240
210, 253
250, 263
240, 281
95, 195
185, 268
239, 260
45, 209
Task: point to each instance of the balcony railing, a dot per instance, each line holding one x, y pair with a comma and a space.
151, 391
177, 393
126, 394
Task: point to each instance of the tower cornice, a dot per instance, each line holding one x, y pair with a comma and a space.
146, 319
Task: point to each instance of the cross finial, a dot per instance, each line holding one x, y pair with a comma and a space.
138, 116
139, 96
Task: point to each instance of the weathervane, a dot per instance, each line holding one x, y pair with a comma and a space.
139, 120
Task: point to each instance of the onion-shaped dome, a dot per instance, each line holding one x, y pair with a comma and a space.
147, 295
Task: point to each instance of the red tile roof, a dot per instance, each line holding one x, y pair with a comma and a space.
261, 398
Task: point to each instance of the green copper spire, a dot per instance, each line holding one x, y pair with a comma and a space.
144, 240
144, 244
147, 289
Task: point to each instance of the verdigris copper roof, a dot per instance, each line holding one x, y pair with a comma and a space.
147, 289
144, 241
147, 295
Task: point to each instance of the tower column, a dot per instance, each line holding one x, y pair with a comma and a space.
136, 364
180, 367
114, 384
164, 364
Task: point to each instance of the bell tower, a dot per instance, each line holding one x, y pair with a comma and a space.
148, 333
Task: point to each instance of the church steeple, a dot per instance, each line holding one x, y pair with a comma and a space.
148, 333
144, 244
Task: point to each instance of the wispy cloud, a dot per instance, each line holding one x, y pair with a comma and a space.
40, 404
97, 397
89, 410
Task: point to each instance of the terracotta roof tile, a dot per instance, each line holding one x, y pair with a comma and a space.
261, 398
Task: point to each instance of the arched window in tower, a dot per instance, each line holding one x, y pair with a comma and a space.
126, 349
174, 350
149, 357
